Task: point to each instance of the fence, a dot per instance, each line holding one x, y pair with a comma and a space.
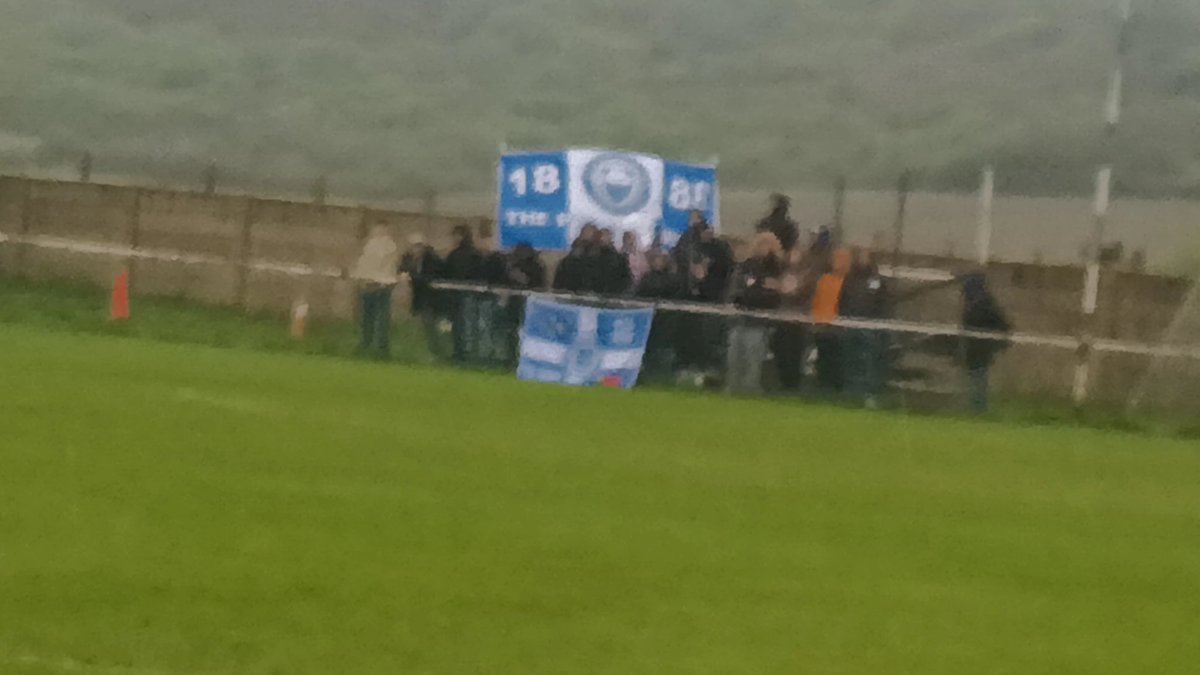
218, 249
922, 360
265, 254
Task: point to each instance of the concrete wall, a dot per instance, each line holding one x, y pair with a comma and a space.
230, 229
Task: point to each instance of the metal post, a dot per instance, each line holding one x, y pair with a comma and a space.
902, 188
135, 233
983, 236
320, 190
364, 226
241, 292
26, 226
210, 178
85, 168
839, 209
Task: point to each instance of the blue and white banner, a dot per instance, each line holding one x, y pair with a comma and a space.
545, 198
688, 187
533, 200
582, 346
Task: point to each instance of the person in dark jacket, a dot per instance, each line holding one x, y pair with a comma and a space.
614, 276
791, 340
865, 296
465, 263
660, 282
421, 266
524, 270
779, 222
757, 286
708, 266
579, 271
568, 276
981, 314
719, 266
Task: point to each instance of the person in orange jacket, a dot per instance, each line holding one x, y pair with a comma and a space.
825, 302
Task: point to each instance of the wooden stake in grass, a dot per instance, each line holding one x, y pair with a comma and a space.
299, 318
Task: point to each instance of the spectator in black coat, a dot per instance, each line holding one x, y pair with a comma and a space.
757, 286
660, 282
719, 265
706, 269
865, 295
421, 266
791, 340
687, 251
465, 263
779, 222
579, 271
614, 276
524, 270
981, 314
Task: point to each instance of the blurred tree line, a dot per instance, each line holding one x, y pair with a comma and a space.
396, 98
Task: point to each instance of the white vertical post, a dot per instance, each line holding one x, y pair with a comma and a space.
983, 235
1091, 283
1091, 287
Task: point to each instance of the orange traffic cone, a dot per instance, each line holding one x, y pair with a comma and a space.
299, 318
119, 309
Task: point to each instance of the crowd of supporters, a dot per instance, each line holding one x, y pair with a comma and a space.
783, 270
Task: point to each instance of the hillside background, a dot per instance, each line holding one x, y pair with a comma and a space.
394, 99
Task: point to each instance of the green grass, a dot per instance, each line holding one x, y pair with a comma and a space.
170, 509
81, 308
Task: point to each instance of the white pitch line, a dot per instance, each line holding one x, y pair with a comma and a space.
65, 664
165, 255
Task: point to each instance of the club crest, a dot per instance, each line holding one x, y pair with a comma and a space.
618, 183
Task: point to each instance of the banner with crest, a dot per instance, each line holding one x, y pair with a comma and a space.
545, 198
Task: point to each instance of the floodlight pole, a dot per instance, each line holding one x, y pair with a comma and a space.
1091, 284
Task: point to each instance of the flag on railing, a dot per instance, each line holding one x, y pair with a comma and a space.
583, 346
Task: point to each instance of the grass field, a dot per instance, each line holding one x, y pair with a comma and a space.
170, 509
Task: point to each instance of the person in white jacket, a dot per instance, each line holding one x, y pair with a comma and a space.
375, 275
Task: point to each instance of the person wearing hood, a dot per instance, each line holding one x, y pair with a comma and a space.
375, 275
779, 222
981, 314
